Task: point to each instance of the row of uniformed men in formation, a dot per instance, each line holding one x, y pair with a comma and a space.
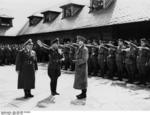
127, 59
8, 53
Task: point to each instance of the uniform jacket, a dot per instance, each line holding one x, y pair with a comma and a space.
120, 55
131, 56
143, 57
54, 67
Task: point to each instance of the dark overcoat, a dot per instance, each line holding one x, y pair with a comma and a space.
26, 64
81, 68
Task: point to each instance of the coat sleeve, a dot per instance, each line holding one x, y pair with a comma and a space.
18, 62
84, 58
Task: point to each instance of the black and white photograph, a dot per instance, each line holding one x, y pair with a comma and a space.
74, 55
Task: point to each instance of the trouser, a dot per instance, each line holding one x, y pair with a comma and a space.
131, 69
102, 64
102, 68
142, 68
67, 63
94, 65
27, 92
1, 62
111, 67
89, 66
53, 85
83, 91
72, 66
120, 70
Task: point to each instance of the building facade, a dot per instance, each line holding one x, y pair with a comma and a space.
94, 19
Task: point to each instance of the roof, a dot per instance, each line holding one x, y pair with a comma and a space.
4, 13
36, 15
53, 9
69, 4
122, 11
49, 11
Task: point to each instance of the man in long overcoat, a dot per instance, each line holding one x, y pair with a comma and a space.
81, 68
26, 65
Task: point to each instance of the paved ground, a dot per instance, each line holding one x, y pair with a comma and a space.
103, 94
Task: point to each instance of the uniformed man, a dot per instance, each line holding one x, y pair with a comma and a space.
102, 58
120, 59
71, 58
142, 60
66, 58
89, 59
26, 65
54, 63
81, 68
111, 62
94, 59
130, 61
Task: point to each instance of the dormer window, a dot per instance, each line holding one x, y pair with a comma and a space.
6, 21
70, 10
50, 16
34, 20
96, 5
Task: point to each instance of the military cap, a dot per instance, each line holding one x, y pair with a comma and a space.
81, 38
29, 42
55, 41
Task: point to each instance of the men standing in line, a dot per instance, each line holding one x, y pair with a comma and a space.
54, 63
81, 68
26, 65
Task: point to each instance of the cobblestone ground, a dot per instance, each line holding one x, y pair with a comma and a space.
103, 94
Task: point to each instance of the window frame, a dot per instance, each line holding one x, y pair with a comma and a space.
48, 14
31, 18
71, 7
6, 21
99, 7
